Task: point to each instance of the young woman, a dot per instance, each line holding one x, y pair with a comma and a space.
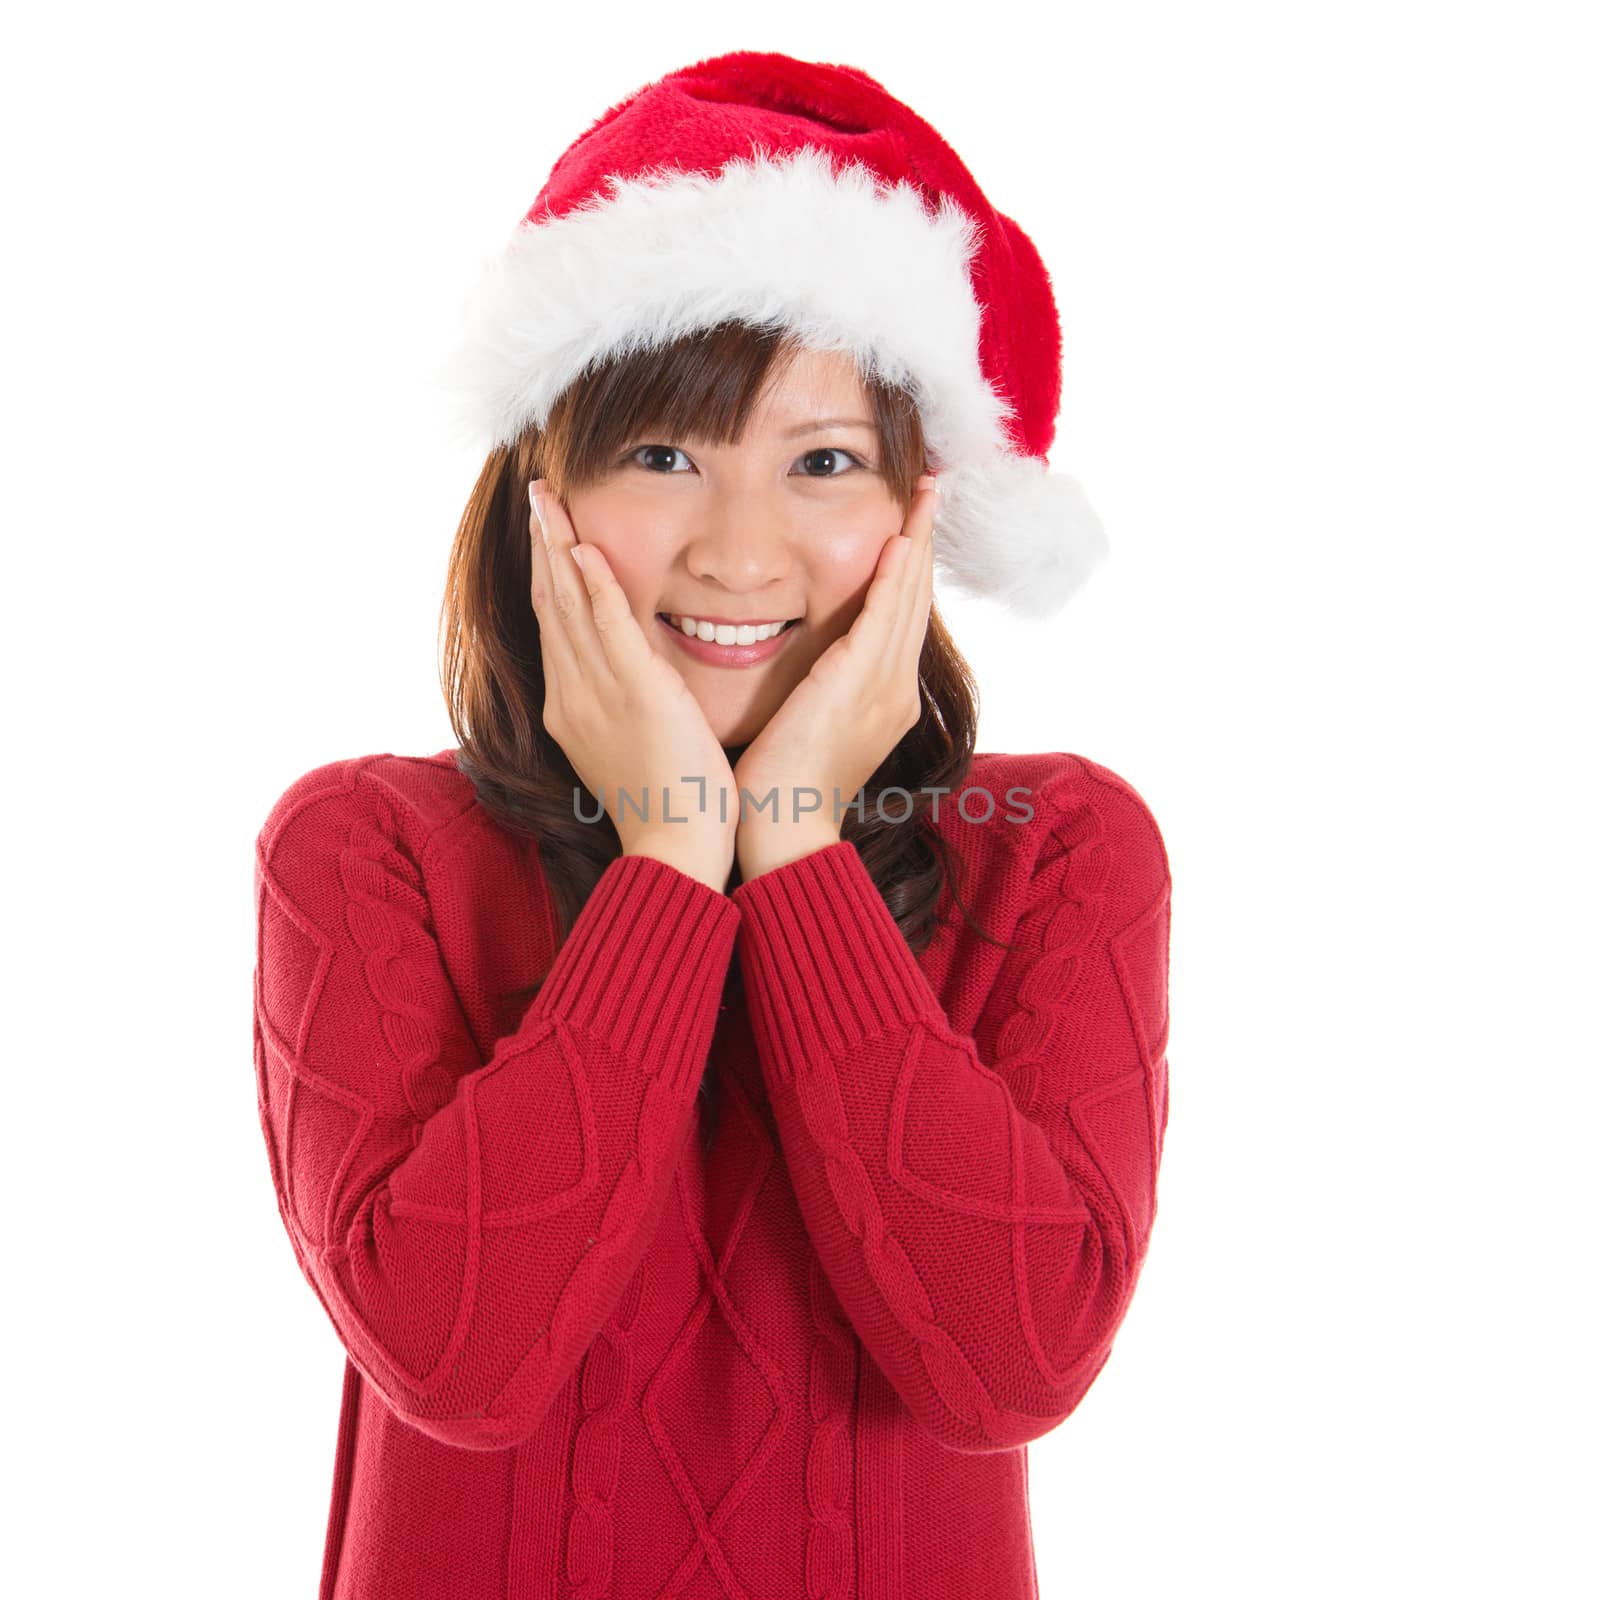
719, 1110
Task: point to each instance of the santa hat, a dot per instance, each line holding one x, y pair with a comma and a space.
800, 195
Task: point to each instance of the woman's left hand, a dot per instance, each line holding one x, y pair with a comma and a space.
861, 697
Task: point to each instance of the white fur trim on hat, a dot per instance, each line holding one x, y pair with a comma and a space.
840, 259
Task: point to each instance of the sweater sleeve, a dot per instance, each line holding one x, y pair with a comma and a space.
468, 1225
982, 1221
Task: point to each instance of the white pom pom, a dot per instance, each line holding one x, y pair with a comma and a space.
1010, 530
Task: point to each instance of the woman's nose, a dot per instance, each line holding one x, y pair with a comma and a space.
740, 542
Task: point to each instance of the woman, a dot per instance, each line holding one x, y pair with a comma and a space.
717, 1109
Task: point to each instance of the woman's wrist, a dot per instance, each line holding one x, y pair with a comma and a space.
693, 859
768, 843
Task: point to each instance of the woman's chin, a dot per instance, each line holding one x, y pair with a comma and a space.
734, 729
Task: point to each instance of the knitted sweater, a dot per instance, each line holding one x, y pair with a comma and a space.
589, 1356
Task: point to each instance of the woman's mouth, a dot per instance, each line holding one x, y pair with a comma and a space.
724, 644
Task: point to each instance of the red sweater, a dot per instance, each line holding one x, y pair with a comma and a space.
586, 1357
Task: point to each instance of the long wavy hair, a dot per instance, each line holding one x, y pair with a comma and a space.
704, 385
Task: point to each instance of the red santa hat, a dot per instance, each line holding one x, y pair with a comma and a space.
801, 195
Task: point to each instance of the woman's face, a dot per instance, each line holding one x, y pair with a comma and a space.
787, 524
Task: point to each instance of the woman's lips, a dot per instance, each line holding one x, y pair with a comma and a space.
728, 655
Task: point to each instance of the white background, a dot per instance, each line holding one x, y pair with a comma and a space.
1327, 275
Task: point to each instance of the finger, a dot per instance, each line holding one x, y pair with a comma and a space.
875, 625
915, 593
920, 611
569, 594
559, 659
624, 644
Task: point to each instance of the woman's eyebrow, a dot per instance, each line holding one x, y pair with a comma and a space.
828, 422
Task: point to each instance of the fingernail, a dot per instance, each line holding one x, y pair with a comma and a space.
578, 553
533, 499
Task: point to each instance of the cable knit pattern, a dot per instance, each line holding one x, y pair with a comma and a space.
597, 1451
829, 1372
932, 1198
370, 866
591, 1355
1060, 928
414, 1231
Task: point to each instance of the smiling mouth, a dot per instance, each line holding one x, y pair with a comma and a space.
726, 633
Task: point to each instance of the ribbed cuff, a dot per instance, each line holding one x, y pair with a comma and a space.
825, 964
644, 965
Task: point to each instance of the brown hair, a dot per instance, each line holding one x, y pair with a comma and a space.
703, 385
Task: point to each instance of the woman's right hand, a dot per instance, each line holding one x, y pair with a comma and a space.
623, 714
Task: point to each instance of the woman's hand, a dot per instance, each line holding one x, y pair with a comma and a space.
623, 715
861, 697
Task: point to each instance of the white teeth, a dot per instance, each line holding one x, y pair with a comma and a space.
727, 632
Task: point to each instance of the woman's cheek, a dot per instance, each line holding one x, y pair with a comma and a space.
849, 541
851, 561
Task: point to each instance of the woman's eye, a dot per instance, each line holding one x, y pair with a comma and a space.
658, 450
650, 457
845, 455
